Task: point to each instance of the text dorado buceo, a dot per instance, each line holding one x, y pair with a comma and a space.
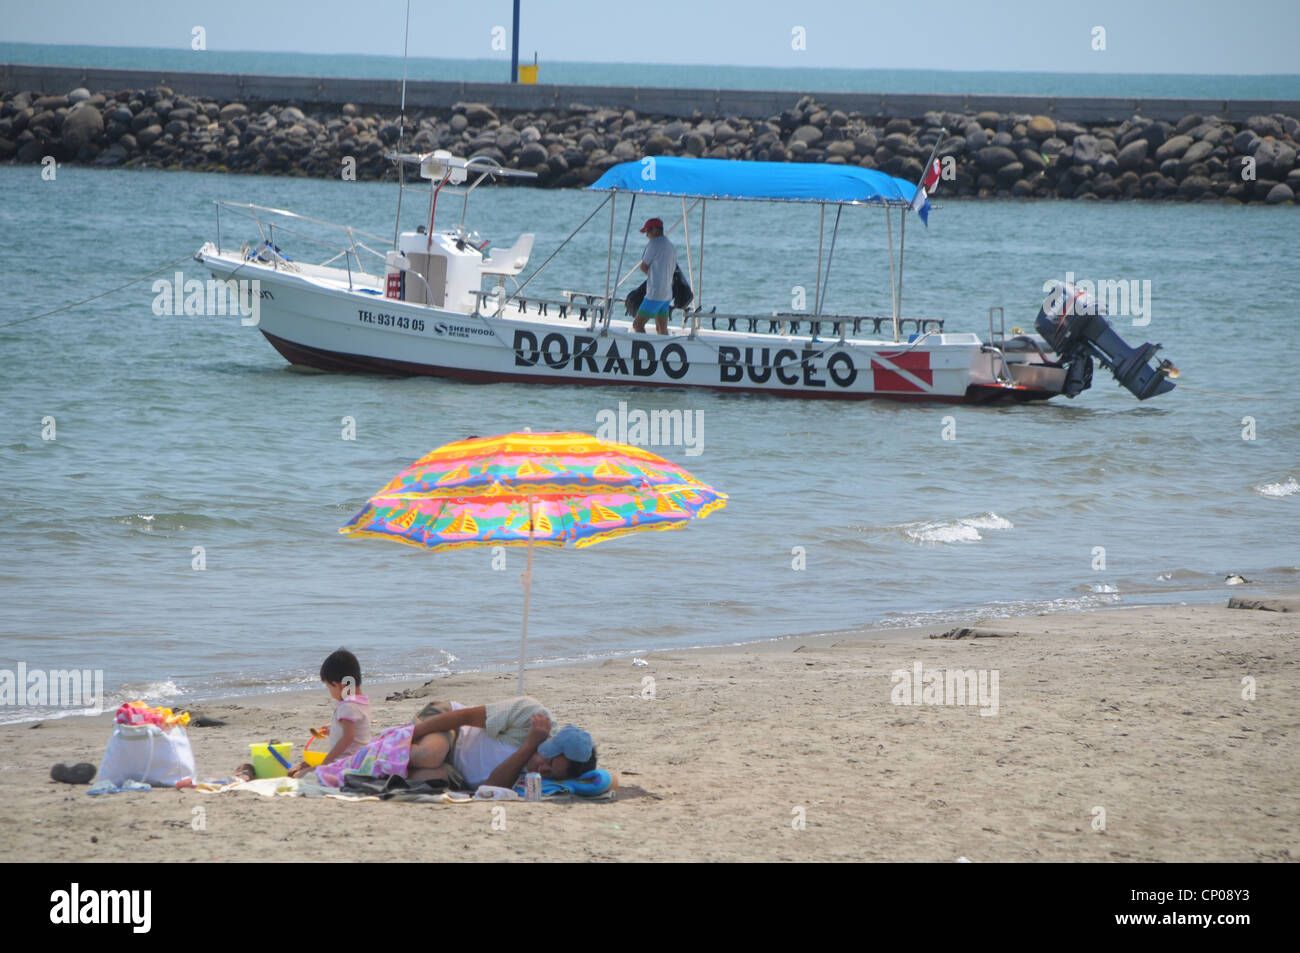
784, 365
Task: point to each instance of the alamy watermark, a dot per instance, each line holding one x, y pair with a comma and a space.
75, 688
656, 428
953, 686
209, 298
127, 907
1126, 297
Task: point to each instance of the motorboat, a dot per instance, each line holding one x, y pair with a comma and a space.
438, 302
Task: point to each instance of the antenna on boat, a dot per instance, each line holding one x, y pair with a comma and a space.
401, 128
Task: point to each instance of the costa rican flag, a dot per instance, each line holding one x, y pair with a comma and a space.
921, 200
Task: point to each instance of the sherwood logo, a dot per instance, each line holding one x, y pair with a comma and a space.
103, 907
456, 331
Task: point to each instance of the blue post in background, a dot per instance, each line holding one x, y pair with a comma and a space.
514, 47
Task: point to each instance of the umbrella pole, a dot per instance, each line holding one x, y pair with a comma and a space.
528, 588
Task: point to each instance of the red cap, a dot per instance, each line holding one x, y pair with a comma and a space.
653, 223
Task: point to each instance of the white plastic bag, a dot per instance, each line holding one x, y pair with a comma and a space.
147, 753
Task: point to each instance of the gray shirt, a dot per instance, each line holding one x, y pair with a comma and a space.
661, 256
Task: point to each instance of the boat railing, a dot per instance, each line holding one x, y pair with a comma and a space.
348, 246
579, 306
583, 307
828, 325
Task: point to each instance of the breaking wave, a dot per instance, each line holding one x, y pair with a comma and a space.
1278, 490
965, 529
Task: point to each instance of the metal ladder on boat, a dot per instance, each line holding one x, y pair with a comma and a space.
1003, 376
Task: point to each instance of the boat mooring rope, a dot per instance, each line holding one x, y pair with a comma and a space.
102, 294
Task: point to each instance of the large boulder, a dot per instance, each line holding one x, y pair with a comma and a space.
82, 125
1263, 126
657, 145
1197, 152
1245, 143
1068, 130
1010, 173
1194, 186
1052, 147
1040, 128
1173, 148
1273, 159
1033, 161
1086, 150
1280, 193
807, 135
508, 140
149, 135
1156, 133
897, 143
1132, 155
115, 154
693, 144
992, 158
866, 143
493, 153
479, 113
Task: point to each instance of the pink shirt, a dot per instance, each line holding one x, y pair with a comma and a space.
356, 710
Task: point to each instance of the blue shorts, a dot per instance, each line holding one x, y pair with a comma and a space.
653, 309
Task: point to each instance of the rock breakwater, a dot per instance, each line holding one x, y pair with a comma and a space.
1198, 158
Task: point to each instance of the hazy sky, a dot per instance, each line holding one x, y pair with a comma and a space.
1141, 36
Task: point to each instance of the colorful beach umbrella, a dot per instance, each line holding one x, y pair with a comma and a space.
533, 489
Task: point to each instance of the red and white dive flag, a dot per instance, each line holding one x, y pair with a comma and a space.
921, 200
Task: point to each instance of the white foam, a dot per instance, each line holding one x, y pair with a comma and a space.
153, 692
1278, 490
965, 529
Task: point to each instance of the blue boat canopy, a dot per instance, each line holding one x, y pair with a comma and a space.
761, 181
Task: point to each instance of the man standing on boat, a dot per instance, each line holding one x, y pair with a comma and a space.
658, 262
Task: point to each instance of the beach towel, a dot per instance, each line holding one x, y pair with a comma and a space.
594, 784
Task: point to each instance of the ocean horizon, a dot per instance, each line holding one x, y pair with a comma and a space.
622, 73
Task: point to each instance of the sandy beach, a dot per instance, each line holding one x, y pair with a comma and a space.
1117, 735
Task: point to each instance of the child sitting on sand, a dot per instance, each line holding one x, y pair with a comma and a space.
350, 729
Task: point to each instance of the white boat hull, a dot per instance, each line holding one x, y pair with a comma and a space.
312, 321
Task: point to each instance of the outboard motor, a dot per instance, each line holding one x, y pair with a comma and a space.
1074, 325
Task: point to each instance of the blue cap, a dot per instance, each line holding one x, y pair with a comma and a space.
570, 741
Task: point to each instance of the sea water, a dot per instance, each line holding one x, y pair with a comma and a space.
177, 436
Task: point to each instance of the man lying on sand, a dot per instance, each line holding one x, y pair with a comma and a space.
467, 747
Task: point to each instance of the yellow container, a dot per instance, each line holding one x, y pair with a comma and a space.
265, 764
528, 74
319, 737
